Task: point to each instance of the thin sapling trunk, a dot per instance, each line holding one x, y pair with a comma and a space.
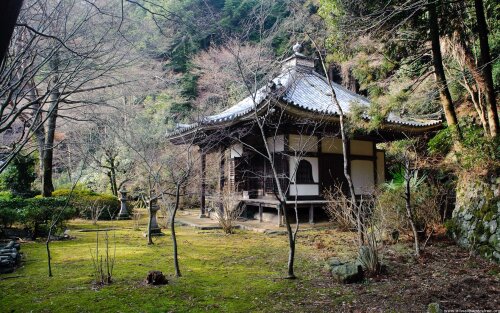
172, 230
409, 210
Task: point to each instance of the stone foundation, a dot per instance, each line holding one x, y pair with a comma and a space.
476, 219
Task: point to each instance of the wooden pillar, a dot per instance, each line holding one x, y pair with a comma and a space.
245, 210
203, 185
222, 176
260, 212
278, 207
311, 214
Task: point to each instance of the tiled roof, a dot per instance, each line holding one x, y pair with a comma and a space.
307, 90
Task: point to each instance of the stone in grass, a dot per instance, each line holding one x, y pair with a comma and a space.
345, 272
6, 266
434, 308
156, 278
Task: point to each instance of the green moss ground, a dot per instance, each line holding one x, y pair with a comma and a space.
221, 273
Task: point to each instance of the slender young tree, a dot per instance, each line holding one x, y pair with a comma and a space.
180, 166
345, 150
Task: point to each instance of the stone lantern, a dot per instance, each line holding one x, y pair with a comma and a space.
155, 228
123, 214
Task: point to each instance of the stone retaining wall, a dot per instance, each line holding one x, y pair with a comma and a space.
476, 219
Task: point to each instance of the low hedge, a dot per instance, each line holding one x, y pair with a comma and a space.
35, 214
83, 199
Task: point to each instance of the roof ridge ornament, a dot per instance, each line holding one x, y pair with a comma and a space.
298, 60
297, 47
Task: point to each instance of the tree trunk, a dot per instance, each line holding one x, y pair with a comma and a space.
172, 231
437, 59
346, 161
48, 150
466, 59
69, 167
466, 56
477, 101
38, 125
112, 177
282, 205
49, 264
291, 241
150, 211
485, 63
345, 154
203, 185
40, 142
409, 212
10, 11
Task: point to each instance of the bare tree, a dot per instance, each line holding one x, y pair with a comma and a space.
267, 119
267, 116
110, 154
60, 52
344, 137
219, 82
228, 209
180, 164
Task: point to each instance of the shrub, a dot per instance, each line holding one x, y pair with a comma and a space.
477, 151
228, 210
339, 209
8, 211
19, 176
390, 210
35, 213
83, 199
6, 195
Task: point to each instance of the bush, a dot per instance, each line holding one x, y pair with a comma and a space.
8, 211
477, 151
35, 213
19, 176
83, 199
390, 211
339, 209
6, 195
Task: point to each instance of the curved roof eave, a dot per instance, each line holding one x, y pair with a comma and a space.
298, 110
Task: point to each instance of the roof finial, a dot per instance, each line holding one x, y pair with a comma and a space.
297, 48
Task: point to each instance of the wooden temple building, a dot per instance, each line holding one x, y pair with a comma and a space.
296, 115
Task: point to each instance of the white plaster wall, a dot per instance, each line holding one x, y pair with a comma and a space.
362, 176
361, 147
276, 143
331, 145
303, 143
236, 150
380, 167
304, 189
